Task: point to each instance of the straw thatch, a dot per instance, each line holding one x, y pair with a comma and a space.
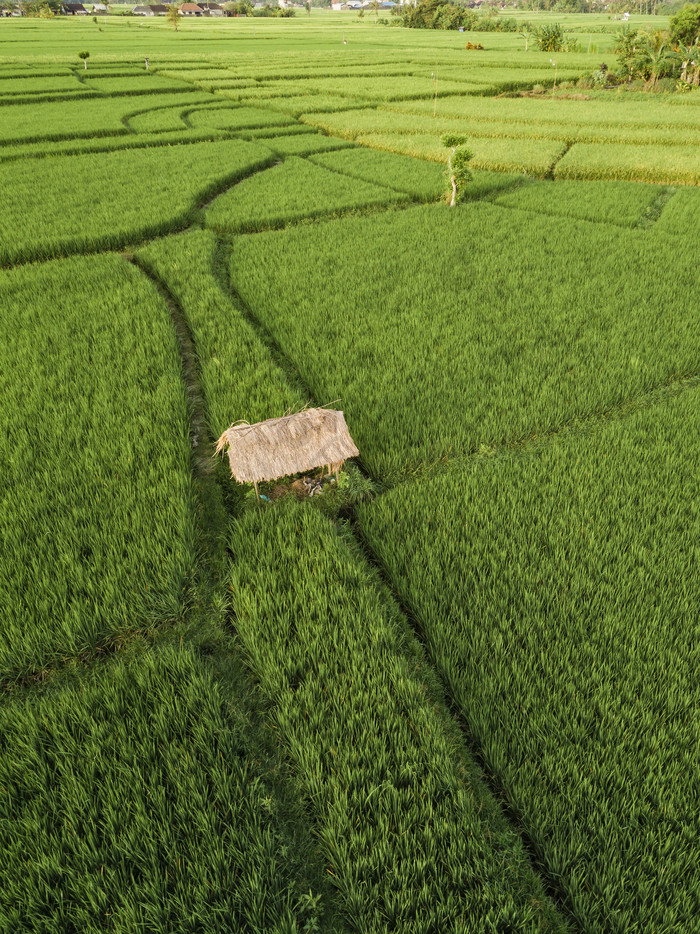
291, 444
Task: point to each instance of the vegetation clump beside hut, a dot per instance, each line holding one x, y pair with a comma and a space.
292, 444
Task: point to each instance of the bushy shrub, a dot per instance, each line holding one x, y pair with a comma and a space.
550, 38
685, 25
442, 14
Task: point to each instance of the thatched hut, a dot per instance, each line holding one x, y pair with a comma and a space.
292, 444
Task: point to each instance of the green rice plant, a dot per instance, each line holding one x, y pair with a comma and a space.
290, 129
303, 144
478, 343
669, 164
16, 100
422, 180
236, 118
355, 124
262, 91
296, 104
239, 378
36, 85
222, 84
565, 624
86, 119
664, 136
108, 143
612, 112
160, 120
621, 203
532, 156
134, 799
680, 215
69, 207
142, 84
499, 78
196, 74
95, 494
425, 181
412, 839
293, 190
116, 71
379, 88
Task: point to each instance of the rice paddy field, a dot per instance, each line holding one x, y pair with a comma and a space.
456, 692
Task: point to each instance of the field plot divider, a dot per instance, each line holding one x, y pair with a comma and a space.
222, 273
212, 521
414, 199
567, 146
656, 208
673, 387
202, 201
146, 143
549, 883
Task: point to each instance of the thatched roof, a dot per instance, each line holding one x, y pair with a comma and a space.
291, 444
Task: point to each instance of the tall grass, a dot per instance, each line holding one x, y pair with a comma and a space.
412, 840
136, 84
650, 163
423, 180
84, 118
71, 207
238, 376
558, 591
95, 495
101, 144
622, 203
236, 118
449, 329
134, 800
680, 216
291, 191
295, 144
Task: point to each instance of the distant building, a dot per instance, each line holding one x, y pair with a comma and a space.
71, 8
191, 9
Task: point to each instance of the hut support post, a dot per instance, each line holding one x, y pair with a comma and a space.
255, 485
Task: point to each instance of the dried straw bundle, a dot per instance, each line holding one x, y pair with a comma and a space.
292, 444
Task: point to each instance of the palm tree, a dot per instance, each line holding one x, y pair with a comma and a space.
652, 58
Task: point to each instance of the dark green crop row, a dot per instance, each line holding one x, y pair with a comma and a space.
558, 591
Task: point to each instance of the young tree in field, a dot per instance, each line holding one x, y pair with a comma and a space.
85, 56
527, 32
457, 170
173, 16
